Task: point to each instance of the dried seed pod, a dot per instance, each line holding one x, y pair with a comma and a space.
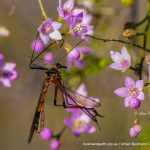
129, 33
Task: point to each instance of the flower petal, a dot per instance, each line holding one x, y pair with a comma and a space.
1, 60
127, 101
78, 11
55, 35
90, 129
9, 66
44, 38
122, 92
15, 75
116, 57
68, 4
56, 25
60, 9
85, 118
115, 66
129, 82
141, 96
6, 82
82, 90
140, 84
125, 54
68, 122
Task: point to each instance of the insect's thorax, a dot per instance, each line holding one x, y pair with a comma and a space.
52, 78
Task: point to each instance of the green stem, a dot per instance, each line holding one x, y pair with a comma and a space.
44, 16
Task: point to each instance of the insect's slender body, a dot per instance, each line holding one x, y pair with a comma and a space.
38, 120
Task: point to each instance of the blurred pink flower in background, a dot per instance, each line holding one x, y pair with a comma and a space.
8, 72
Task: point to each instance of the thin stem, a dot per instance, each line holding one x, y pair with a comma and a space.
61, 132
120, 41
140, 22
44, 16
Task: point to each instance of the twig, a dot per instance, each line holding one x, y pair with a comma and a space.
120, 41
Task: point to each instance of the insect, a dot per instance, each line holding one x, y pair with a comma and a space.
70, 98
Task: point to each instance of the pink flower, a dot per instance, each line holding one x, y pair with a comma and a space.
8, 72
49, 30
132, 90
65, 9
122, 61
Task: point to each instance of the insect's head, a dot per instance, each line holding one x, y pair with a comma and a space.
51, 71
59, 66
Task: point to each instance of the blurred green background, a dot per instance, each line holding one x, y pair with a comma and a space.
17, 104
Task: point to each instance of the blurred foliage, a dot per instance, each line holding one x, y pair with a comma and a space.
93, 65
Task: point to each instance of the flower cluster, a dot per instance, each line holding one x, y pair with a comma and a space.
132, 91
77, 19
8, 72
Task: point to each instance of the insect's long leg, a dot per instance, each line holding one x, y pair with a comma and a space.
55, 97
34, 66
32, 56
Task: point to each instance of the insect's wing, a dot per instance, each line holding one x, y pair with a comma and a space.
80, 100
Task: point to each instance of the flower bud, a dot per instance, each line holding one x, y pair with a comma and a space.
37, 45
46, 134
55, 144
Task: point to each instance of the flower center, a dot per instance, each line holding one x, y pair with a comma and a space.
124, 63
46, 28
78, 27
134, 92
78, 124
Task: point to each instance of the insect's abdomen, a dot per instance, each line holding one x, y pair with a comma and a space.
36, 121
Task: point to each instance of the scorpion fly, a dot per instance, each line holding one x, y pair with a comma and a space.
70, 98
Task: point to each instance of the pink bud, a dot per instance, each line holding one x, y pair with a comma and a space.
48, 57
133, 133
138, 128
37, 45
74, 55
55, 144
134, 103
46, 133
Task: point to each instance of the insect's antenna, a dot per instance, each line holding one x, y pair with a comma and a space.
78, 43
